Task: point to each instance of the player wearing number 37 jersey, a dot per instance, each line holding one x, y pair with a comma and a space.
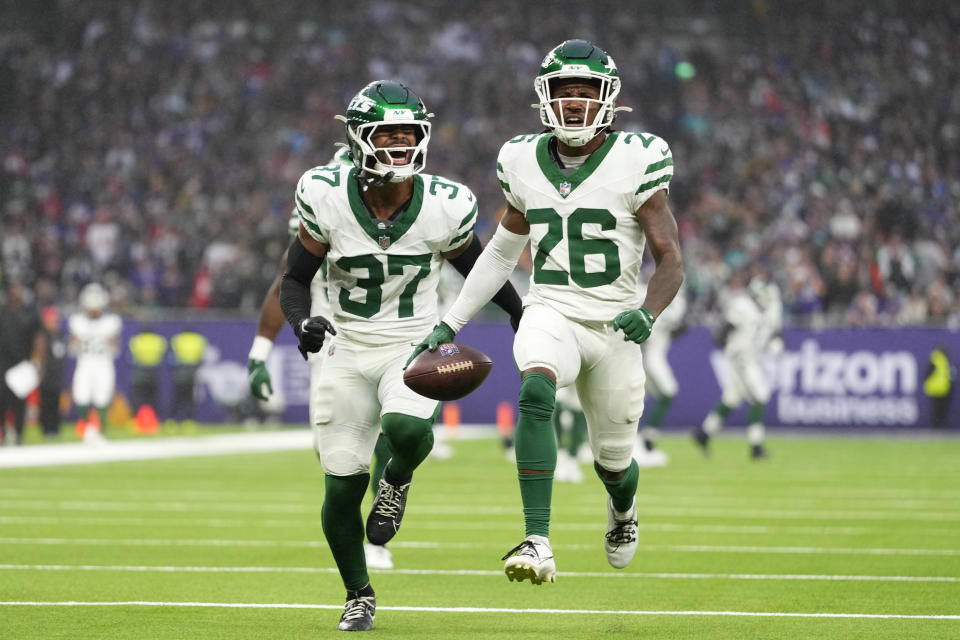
588, 199
383, 228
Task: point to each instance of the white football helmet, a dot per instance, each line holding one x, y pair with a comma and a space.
94, 297
578, 59
386, 102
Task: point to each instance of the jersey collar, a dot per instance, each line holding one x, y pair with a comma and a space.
389, 235
566, 184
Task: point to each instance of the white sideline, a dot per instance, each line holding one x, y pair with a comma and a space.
415, 544
43, 455
808, 577
338, 607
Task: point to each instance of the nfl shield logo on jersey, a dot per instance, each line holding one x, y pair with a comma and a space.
565, 188
384, 242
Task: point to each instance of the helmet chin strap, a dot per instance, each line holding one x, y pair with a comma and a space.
376, 181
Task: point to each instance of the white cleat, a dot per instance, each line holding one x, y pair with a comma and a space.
378, 556
94, 437
531, 559
620, 542
649, 459
568, 470
585, 454
441, 451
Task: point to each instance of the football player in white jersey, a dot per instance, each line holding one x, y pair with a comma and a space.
752, 317
587, 198
383, 229
95, 341
661, 382
268, 327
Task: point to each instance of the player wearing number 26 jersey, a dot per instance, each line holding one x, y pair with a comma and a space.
383, 230
588, 199
585, 238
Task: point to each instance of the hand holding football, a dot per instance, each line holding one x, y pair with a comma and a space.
451, 372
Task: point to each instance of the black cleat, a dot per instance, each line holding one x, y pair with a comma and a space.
358, 612
757, 452
387, 511
702, 440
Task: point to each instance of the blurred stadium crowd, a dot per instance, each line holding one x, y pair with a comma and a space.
154, 146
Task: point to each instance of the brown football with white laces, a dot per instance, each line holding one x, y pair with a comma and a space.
452, 371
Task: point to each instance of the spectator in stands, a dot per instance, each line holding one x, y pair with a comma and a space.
798, 127
52, 380
21, 339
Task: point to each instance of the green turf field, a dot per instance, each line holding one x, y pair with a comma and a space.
831, 538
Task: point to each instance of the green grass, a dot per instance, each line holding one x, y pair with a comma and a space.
158, 531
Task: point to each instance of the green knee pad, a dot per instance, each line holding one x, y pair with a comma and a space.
410, 439
536, 443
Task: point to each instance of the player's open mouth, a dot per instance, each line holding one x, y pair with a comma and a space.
399, 156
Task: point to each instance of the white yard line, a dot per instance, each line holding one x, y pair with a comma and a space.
43, 455
482, 510
483, 573
413, 544
592, 612
277, 523
148, 449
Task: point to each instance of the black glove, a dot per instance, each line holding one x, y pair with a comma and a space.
311, 333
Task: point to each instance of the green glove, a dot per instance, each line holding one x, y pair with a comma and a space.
440, 334
258, 377
636, 324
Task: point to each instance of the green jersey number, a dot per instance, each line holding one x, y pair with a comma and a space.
578, 247
372, 284
334, 174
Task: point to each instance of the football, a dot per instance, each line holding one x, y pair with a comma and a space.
449, 373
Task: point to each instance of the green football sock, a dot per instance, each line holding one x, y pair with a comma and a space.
381, 454
410, 440
343, 527
659, 411
102, 413
622, 491
722, 410
755, 413
536, 451
578, 433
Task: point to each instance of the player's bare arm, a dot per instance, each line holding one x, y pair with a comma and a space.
660, 227
513, 220
271, 316
270, 322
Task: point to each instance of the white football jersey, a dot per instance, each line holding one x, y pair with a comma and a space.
586, 241
382, 275
746, 319
95, 338
319, 301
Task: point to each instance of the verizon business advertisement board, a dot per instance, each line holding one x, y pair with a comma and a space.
834, 378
